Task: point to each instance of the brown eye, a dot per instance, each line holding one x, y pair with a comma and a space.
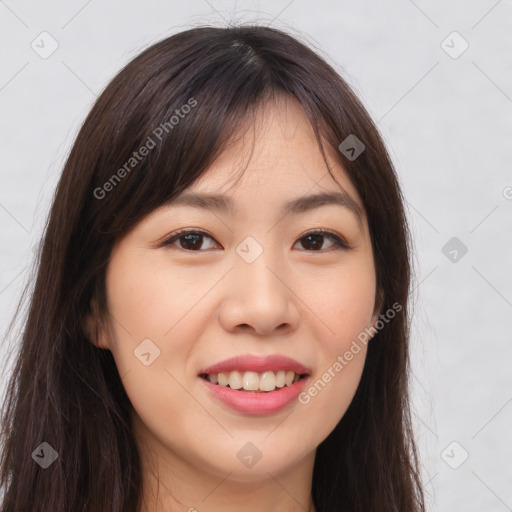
314, 241
190, 241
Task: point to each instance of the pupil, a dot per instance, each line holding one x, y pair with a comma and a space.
195, 240
316, 238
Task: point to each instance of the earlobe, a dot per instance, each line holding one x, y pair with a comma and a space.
100, 339
94, 328
379, 302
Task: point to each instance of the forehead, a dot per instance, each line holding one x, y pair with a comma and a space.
275, 154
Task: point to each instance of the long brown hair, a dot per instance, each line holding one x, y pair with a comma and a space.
66, 392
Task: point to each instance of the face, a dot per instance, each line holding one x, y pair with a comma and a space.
280, 290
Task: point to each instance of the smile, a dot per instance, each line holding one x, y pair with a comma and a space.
253, 381
255, 384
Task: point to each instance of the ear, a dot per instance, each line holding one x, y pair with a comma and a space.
379, 302
94, 326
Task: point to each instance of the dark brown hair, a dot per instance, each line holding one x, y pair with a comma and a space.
67, 392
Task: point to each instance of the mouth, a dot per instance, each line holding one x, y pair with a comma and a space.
256, 385
256, 382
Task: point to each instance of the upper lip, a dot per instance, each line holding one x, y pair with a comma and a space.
258, 364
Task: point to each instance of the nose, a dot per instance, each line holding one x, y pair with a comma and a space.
259, 299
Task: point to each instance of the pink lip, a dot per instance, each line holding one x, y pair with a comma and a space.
257, 364
256, 403
253, 402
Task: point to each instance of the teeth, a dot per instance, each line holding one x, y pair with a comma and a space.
253, 381
223, 379
213, 378
267, 381
280, 379
250, 381
235, 380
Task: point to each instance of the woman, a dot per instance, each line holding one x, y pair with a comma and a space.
220, 316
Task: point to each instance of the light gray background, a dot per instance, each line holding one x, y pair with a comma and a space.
447, 122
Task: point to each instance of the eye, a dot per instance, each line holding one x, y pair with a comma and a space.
188, 240
314, 241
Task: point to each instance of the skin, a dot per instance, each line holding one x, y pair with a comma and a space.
202, 306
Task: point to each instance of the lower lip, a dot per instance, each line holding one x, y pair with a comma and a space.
252, 402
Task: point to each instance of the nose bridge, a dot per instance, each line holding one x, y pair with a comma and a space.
256, 266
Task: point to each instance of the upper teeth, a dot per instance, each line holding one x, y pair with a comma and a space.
252, 381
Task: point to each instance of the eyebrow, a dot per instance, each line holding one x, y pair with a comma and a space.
224, 204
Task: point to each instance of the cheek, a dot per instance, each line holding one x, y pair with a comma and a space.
345, 305
143, 308
147, 312
343, 301
155, 310
149, 299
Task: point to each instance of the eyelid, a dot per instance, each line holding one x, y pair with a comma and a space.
168, 240
338, 239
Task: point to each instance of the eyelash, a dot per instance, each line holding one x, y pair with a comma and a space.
338, 241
